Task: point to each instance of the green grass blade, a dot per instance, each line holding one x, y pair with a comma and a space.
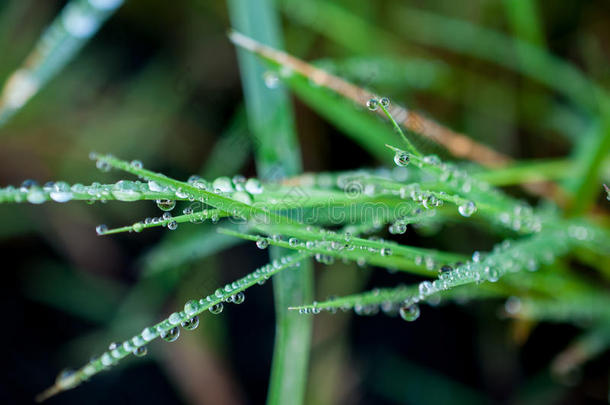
277, 156
193, 308
77, 22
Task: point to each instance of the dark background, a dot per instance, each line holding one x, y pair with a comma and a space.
160, 83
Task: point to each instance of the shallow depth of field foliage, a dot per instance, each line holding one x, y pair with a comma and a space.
321, 202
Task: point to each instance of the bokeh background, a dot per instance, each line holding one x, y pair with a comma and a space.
160, 83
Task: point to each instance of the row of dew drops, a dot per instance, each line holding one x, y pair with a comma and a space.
188, 319
504, 258
237, 188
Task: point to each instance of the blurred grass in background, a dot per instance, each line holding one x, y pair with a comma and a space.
160, 83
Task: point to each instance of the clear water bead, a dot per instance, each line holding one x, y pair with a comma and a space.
253, 186
136, 164
401, 158
140, 351
467, 209
372, 104
166, 205
262, 243
171, 335
385, 102
191, 307
223, 184
61, 192
101, 229
191, 324
239, 298
216, 308
126, 190
409, 313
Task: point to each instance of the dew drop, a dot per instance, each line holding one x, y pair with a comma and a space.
171, 335
191, 324
254, 186
154, 186
445, 269
216, 308
271, 80
35, 195
174, 318
467, 209
409, 313
191, 307
425, 288
101, 229
61, 192
491, 273
401, 158
386, 252
223, 184
242, 197
102, 165
385, 102
166, 205
293, 242
136, 164
262, 243
239, 298
372, 104
66, 378
126, 190
140, 351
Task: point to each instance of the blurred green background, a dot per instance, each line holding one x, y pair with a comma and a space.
160, 83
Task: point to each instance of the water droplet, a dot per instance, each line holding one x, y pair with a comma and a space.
175, 318
216, 308
409, 313
254, 186
372, 104
136, 164
223, 185
154, 186
66, 378
262, 243
491, 273
61, 192
243, 197
191, 324
239, 298
293, 242
425, 288
148, 334
445, 269
166, 205
191, 307
140, 351
467, 209
271, 80
78, 22
138, 226
101, 229
102, 165
386, 251
35, 195
171, 335
172, 226
401, 158
126, 190
385, 102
